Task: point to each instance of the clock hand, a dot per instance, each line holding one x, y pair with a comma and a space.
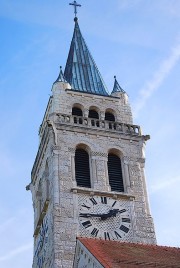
88, 215
104, 216
111, 213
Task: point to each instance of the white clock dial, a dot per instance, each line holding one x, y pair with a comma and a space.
105, 218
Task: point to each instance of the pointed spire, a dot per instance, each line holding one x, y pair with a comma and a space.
81, 71
61, 77
117, 87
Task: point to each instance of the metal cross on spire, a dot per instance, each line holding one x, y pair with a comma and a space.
75, 4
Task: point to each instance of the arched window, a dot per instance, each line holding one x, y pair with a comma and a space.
115, 173
82, 169
109, 116
93, 114
77, 111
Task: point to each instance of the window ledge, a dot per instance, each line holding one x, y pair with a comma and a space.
93, 192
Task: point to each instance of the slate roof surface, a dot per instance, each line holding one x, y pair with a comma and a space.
113, 254
81, 71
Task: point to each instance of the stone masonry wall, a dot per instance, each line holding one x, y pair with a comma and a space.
54, 175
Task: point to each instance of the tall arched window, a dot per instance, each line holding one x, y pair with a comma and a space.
115, 173
82, 169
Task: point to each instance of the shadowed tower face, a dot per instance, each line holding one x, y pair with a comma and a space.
88, 176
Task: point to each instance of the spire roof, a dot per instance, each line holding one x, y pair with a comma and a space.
117, 87
61, 77
81, 71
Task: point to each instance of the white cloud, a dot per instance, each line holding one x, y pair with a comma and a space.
158, 78
166, 183
16, 252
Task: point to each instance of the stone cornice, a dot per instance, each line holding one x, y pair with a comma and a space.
92, 192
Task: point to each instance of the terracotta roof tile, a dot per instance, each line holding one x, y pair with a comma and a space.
113, 254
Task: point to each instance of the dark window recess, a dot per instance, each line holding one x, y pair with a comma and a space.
109, 117
93, 114
82, 170
76, 111
115, 173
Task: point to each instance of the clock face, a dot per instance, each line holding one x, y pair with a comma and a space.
105, 218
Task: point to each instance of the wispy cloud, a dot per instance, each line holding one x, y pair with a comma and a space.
159, 186
6, 224
158, 78
16, 252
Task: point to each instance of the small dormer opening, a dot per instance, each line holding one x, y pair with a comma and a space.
93, 114
109, 116
77, 111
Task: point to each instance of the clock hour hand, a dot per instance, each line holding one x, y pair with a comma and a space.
111, 213
88, 215
104, 216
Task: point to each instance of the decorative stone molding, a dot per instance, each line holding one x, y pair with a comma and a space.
51, 124
71, 150
93, 192
141, 160
55, 148
99, 154
126, 160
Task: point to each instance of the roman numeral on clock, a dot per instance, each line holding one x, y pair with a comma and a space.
126, 220
93, 201
87, 224
122, 210
95, 232
114, 203
106, 236
117, 235
103, 200
85, 206
124, 229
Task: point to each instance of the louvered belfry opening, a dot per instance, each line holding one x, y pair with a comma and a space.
93, 114
115, 173
82, 169
109, 117
77, 111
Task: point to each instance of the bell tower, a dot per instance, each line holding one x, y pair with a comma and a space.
88, 177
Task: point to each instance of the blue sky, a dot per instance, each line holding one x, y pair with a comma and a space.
136, 40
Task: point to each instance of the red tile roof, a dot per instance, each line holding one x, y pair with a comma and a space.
112, 254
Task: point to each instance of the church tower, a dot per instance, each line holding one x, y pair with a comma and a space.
88, 177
